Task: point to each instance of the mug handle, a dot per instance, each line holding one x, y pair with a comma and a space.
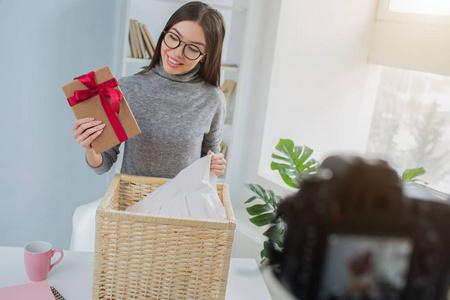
60, 258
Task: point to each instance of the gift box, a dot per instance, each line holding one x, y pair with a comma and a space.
97, 94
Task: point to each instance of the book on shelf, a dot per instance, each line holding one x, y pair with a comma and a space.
145, 36
132, 38
136, 36
152, 42
141, 42
227, 88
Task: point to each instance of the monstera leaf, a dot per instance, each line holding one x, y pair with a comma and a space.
295, 163
409, 176
262, 213
266, 214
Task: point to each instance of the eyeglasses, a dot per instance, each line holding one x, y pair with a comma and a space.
190, 51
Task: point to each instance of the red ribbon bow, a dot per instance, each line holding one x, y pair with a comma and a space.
105, 89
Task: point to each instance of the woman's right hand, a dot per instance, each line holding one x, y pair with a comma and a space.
86, 130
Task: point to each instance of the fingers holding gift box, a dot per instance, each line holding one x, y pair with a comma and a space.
97, 95
86, 130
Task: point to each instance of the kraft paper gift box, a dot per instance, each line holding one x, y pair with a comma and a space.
98, 95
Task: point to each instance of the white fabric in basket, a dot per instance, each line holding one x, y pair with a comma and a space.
192, 193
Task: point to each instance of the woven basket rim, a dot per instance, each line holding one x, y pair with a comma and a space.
164, 219
108, 210
103, 209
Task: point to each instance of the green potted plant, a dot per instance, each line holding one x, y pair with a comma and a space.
293, 163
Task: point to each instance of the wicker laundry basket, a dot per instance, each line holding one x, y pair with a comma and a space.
140, 256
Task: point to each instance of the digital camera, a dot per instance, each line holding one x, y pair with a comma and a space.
354, 232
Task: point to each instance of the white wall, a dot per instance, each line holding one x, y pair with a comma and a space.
43, 176
318, 78
306, 82
253, 87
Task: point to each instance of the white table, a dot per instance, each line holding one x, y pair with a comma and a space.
72, 277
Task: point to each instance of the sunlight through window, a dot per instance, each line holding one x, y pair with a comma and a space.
432, 7
411, 123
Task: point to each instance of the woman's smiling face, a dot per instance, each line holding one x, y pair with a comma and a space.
174, 61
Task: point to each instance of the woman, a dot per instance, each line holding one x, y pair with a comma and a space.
176, 101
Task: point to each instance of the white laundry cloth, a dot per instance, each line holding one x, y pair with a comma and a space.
192, 193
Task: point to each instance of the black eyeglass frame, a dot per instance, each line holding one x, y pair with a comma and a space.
179, 43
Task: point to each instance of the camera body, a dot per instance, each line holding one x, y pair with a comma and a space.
353, 232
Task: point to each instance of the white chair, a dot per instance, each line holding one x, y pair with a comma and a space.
83, 227
83, 221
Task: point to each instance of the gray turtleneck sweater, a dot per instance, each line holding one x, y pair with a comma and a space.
180, 117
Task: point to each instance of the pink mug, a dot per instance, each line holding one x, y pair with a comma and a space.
38, 256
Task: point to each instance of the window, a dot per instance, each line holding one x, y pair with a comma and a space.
432, 7
411, 123
415, 11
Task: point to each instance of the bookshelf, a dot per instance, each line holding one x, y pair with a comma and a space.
155, 13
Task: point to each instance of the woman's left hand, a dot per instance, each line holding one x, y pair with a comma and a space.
218, 163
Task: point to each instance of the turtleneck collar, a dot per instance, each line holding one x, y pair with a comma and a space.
187, 76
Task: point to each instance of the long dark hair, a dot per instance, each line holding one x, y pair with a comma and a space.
214, 28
